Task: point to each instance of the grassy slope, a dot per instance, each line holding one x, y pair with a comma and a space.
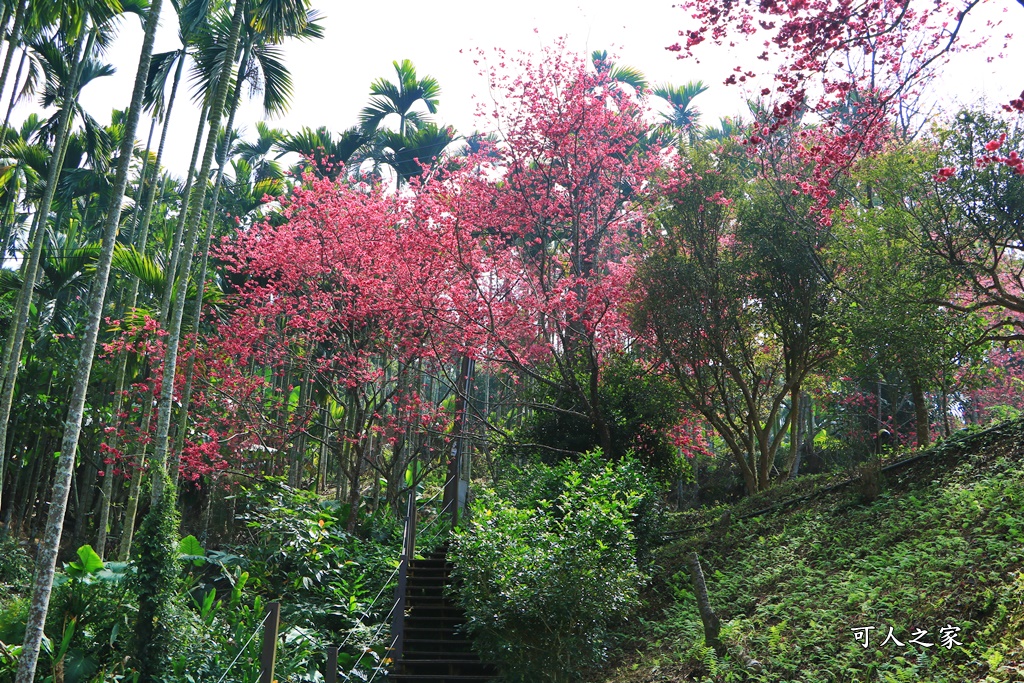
942, 544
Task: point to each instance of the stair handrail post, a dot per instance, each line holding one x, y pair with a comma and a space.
331, 675
408, 552
268, 655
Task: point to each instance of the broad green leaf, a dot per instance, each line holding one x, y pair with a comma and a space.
190, 550
88, 562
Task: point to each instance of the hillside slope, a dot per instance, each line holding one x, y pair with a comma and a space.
939, 546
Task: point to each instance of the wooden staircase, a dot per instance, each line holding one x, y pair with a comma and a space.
434, 649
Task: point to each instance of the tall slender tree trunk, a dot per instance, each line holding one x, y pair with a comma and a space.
166, 404
135, 486
9, 228
13, 42
920, 412
5, 16
14, 99
131, 506
197, 310
794, 434
325, 449
24, 304
46, 560
103, 514
354, 488
141, 189
149, 199
179, 228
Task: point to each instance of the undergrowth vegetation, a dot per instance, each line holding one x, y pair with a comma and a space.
293, 548
939, 548
547, 576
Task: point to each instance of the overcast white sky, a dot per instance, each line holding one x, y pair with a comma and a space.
332, 76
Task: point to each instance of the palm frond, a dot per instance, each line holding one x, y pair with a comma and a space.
409, 154
192, 14
10, 281
629, 75
273, 187
30, 125
35, 156
277, 80
82, 182
62, 266
399, 98
33, 77
314, 29
319, 149
128, 261
160, 69
279, 19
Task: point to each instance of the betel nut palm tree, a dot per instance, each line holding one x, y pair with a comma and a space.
46, 559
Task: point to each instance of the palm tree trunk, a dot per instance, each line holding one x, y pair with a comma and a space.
46, 560
5, 16
179, 228
142, 187
9, 344
132, 504
195, 213
14, 92
24, 304
197, 310
12, 201
103, 514
131, 507
108, 482
13, 42
149, 200
299, 444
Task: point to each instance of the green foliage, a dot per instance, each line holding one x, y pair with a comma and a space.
190, 550
218, 635
15, 564
941, 545
326, 577
88, 563
890, 324
640, 406
155, 583
544, 586
89, 617
533, 486
13, 614
735, 297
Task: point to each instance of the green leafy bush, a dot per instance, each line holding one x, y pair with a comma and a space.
15, 564
543, 586
531, 487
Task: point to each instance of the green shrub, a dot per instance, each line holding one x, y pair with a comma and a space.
543, 586
15, 564
531, 487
